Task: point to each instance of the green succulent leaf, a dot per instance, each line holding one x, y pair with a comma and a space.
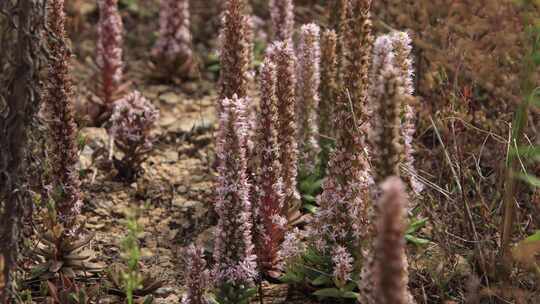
416, 240
416, 225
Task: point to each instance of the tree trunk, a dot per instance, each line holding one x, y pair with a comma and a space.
22, 23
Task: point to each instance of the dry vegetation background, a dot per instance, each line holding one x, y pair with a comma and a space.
469, 61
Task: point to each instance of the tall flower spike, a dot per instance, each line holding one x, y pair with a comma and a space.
197, 276
308, 95
357, 39
352, 114
343, 214
329, 86
235, 50
282, 55
233, 250
402, 46
64, 155
273, 222
109, 51
386, 97
173, 48
390, 274
282, 19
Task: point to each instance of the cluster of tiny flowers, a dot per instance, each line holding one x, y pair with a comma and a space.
197, 276
109, 49
291, 249
343, 265
282, 18
383, 57
233, 250
64, 154
132, 119
309, 54
283, 57
270, 199
390, 268
174, 40
341, 218
402, 47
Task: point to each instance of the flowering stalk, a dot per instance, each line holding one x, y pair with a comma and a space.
402, 48
282, 55
109, 52
197, 276
273, 222
282, 19
386, 97
64, 154
390, 272
173, 46
357, 39
235, 50
308, 95
390, 87
352, 116
342, 217
233, 250
329, 86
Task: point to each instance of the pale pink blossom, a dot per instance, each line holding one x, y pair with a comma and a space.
282, 55
343, 265
402, 47
269, 195
131, 122
233, 250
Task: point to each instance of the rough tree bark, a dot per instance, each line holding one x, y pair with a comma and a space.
22, 27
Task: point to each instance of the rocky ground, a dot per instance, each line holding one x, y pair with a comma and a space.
174, 194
